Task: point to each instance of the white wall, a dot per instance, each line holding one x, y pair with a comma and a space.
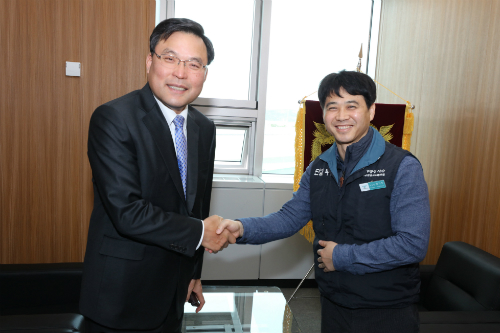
245, 196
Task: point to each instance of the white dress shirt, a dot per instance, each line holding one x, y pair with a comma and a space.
169, 115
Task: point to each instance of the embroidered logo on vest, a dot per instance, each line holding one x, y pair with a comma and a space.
321, 172
375, 173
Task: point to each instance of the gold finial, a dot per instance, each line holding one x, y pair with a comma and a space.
360, 55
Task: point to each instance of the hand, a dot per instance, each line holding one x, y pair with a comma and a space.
234, 227
325, 255
212, 241
195, 287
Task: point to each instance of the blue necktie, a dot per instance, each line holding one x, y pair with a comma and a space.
181, 145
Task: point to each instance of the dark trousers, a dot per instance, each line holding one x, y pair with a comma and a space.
338, 319
171, 325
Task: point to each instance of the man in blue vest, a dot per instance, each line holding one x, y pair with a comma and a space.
369, 204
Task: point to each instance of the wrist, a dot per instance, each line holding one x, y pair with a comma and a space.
241, 228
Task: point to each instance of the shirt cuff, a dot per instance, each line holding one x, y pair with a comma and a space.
242, 239
340, 257
202, 233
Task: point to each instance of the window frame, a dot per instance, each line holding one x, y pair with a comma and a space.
234, 110
248, 125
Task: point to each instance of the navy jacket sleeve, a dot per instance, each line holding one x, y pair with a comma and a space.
113, 155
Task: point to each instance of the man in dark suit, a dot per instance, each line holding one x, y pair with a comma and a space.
152, 160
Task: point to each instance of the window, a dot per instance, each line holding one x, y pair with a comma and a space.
233, 139
255, 109
233, 27
308, 41
234, 144
230, 94
229, 25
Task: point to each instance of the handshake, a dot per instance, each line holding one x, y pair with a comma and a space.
219, 233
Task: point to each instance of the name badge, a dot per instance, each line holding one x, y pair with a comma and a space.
372, 186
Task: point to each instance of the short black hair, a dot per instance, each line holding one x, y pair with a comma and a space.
167, 27
355, 83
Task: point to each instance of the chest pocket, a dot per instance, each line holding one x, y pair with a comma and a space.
366, 214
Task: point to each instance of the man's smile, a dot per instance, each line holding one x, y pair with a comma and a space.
179, 88
344, 127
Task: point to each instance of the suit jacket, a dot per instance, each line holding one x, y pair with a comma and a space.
141, 249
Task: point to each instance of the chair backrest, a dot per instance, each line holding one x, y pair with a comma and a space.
465, 279
40, 288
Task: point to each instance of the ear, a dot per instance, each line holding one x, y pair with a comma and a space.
149, 61
206, 73
372, 111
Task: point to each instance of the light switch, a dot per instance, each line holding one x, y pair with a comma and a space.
72, 68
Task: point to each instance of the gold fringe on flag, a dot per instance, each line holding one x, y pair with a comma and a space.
307, 230
408, 127
300, 136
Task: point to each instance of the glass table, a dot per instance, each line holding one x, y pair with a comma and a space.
240, 309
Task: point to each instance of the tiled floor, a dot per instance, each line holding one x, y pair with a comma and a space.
306, 308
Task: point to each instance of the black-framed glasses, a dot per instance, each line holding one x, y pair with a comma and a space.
171, 61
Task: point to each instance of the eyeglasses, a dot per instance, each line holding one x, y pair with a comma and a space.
171, 61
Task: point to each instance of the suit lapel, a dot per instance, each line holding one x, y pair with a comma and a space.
158, 127
192, 172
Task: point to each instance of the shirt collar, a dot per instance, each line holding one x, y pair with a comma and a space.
355, 151
170, 114
375, 150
